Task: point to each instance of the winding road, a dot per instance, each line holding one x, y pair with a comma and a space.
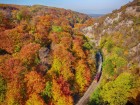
83, 100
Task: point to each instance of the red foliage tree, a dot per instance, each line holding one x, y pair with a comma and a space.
61, 92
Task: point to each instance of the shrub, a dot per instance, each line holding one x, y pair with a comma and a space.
95, 98
2, 89
56, 29
47, 91
19, 16
87, 46
17, 48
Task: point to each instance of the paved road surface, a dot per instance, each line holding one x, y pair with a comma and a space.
92, 87
86, 96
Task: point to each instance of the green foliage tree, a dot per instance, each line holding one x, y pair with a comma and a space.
56, 29
95, 98
113, 63
87, 46
109, 45
117, 92
47, 91
17, 48
108, 66
57, 65
19, 16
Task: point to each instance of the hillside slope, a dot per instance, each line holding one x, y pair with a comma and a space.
118, 36
44, 58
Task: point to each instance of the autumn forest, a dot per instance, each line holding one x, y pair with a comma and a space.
48, 56
44, 59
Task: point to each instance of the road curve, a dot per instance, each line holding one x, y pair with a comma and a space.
86, 96
92, 87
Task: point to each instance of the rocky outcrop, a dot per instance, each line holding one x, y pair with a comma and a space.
110, 21
89, 33
135, 54
134, 11
43, 55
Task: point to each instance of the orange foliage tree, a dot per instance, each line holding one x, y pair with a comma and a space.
77, 47
23, 31
13, 94
28, 53
12, 72
44, 24
34, 85
6, 42
34, 82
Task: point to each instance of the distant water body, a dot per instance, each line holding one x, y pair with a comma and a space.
96, 15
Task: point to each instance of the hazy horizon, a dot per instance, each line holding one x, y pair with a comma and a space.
87, 6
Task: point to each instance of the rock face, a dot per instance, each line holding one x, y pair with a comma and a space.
130, 10
135, 52
134, 11
43, 55
110, 21
89, 33
135, 49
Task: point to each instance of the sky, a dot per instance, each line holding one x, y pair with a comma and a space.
83, 6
